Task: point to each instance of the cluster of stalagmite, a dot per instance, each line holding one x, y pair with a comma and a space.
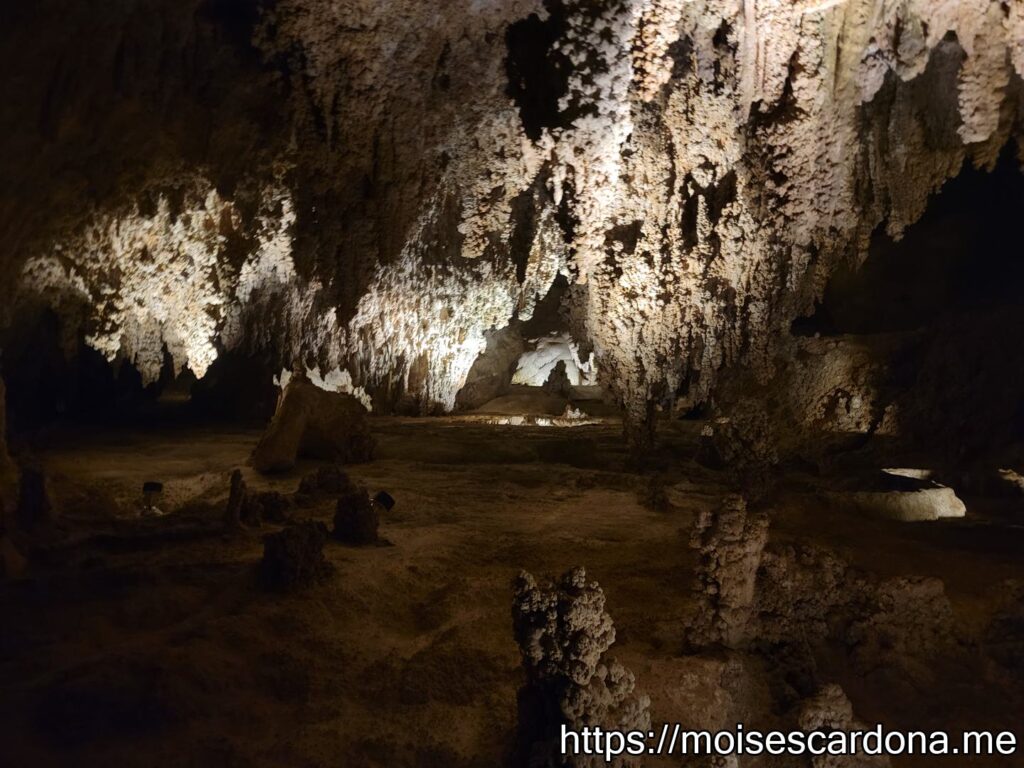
730, 541
564, 634
695, 169
794, 598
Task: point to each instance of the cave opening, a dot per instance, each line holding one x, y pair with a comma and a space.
925, 327
535, 372
55, 380
53, 376
962, 257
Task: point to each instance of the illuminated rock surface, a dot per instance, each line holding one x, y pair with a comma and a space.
314, 424
785, 233
697, 170
564, 633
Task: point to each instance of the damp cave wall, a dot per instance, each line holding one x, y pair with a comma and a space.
373, 188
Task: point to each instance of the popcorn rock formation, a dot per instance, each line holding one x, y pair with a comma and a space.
730, 541
293, 557
696, 170
830, 709
564, 633
792, 600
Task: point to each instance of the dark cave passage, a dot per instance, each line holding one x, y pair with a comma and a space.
52, 376
940, 313
962, 258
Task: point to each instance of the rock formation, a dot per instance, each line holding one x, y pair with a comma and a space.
273, 507
356, 519
696, 170
8, 470
330, 480
316, 424
730, 541
564, 633
493, 371
34, 514
244, 507
293, 558
911, 622
10, 560
803, 590
830, 710
794, 602
1003, 638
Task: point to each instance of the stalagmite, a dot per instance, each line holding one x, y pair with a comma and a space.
719, 297
564, 632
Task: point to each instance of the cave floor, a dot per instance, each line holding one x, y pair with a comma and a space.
147, 642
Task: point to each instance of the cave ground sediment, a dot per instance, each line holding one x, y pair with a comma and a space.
148, 641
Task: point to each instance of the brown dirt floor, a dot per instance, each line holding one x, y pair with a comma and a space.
142, 642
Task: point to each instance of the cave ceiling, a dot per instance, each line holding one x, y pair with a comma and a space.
371, 187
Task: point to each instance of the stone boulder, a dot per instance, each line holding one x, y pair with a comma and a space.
491, 374
908, 499
923, 504
316, 424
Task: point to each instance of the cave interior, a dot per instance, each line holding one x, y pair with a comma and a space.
386, 385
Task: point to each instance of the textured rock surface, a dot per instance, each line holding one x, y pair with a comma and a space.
493, 371
293, 558
912, 622
536, 365
387, 187
730, 541
356, 519
830, 710
8, 470
926, 503
564, 633
244, 507
792, 601
313, 423
803, 589
325, 481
